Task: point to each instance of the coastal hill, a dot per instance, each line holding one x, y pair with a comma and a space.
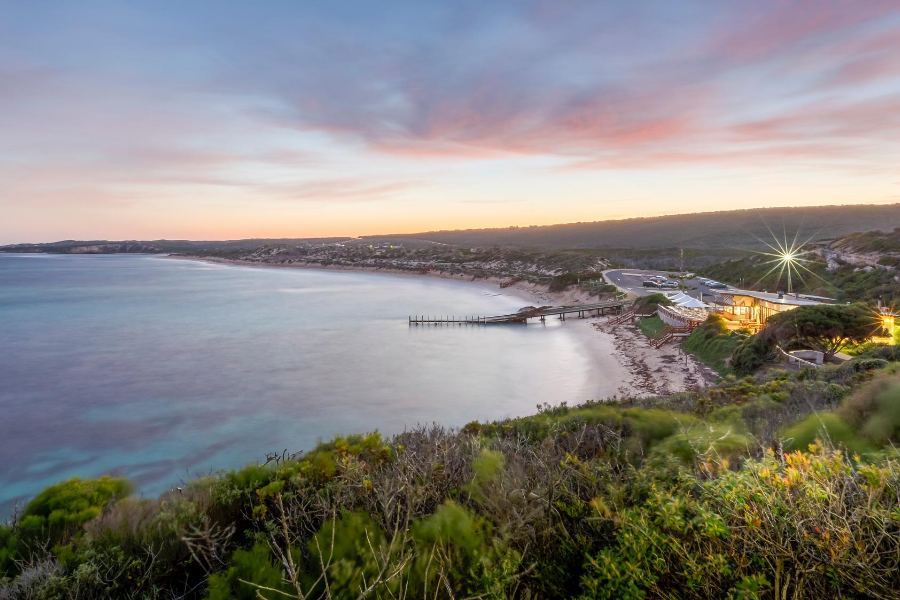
725, 229
738, 229
155, 246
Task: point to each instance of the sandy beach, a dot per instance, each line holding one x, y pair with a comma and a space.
636, 369
532, 293
624, 365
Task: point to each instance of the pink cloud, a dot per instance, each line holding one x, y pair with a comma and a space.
768, 31
872, 119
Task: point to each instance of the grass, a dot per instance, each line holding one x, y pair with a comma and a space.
651, 326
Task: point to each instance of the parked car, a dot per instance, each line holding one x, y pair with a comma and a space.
704, 280
716, 285
669, 284
651, 283
659, 278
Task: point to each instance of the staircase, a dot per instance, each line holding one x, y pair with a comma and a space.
617, 320
669, 334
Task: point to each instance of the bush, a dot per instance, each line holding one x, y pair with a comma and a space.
57, 513
861, 365
9, 550
648, 304
704, 442
874, 410
560, 282
459, 552
752, 353
255, 564
802, 526
888, 353
712, 342
827, 427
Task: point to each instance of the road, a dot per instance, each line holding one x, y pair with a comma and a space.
631, 281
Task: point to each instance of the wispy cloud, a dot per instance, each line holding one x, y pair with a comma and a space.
352, 103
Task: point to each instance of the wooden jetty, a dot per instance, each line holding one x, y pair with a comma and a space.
541, 313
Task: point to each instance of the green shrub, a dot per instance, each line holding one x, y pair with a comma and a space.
874, 410
648, 304
256, 565
755, 532
461, 546
9, 550
560, 282
704, 442
889, 353
861, 365
752, 353
827, 427
712, 343
58, 512
351, 548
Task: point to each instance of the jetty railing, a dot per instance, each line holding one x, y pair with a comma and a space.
582, 310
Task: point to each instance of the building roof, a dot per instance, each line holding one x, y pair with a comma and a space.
785, 299
693, 303
678, 297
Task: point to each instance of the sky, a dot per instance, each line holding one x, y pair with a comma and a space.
227, 119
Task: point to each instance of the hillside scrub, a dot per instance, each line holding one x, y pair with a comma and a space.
690, 496
752, 353
712, 343
648, 304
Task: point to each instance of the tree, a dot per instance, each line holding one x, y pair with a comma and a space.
825, 327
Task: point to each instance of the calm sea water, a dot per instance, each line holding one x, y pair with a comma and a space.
160, 369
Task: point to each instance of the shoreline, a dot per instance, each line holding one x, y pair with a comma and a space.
528, 292
635, 371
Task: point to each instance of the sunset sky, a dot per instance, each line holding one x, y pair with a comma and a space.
225, 119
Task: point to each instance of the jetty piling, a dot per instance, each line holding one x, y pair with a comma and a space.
583, 311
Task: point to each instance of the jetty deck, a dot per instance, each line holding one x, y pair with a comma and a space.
541, 313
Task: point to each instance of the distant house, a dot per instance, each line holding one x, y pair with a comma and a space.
752, 309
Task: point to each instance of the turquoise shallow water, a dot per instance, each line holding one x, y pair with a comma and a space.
160, 369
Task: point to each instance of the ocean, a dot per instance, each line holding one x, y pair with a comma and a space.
160, 370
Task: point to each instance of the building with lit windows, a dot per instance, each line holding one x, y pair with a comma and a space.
742, 308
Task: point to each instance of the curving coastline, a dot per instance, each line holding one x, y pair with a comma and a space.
620, 356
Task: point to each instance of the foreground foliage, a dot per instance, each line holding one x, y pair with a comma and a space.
781, 486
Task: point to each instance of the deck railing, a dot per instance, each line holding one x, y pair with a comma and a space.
675, 316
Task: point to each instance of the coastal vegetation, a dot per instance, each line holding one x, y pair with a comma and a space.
825, 328
647, 305
785, 484
713, 344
